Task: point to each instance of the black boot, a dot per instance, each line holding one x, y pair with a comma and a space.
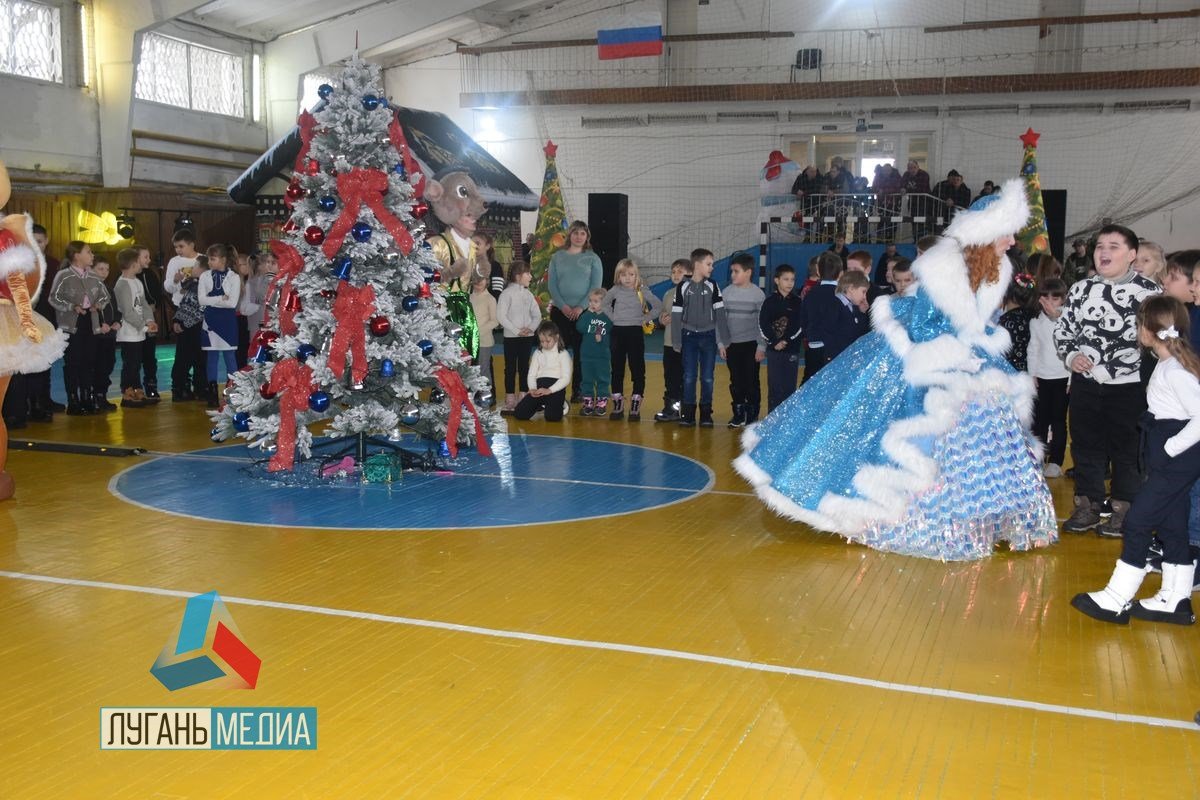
751, 415
38, 412
211, 397
152, 392
739, 416
181, 394
706, 420
687, 415
670, 412
100, 402
85, 401
75, 407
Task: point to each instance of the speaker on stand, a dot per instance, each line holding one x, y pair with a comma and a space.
1054, 202
608, 220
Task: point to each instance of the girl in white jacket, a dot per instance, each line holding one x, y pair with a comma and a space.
549, 376
519, 315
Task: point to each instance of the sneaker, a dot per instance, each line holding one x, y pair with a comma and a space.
635, 408
1052, 471
586, 411
1155, 556
1084, 518
1114, 526
601, 407
739, 418
618, 408
669, 414
1105, 511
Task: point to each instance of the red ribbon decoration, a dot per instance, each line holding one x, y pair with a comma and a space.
291, 264
456, 396
360, 186
292, 380
351, 309
396, 134
308, 125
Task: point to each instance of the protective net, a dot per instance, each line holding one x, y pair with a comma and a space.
686, 134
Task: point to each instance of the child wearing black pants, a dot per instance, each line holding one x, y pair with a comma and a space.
672, 361
1171, 453
106, 346
549, 376
77, 296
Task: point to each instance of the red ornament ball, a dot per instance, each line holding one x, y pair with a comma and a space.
269, 338
420, 209
314, 235
312, 167
295, 190
425, 291
290, 226
328, 293
265, 391
436, 276
380, 326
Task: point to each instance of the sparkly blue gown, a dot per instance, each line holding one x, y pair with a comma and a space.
914, 440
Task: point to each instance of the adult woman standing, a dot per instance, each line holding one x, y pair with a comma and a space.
574, 272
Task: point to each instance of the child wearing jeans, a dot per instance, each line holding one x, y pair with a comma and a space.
595, 329
630, 306
1171, 453
1050, 376
519, 315
700, 333
681, 270
549, 376
747, 347
218, 292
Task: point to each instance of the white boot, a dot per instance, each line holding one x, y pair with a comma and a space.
1111, 604
1173, 603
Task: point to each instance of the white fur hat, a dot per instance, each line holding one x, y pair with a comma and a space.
991, 217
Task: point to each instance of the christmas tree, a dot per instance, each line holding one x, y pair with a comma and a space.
1033, 238
551, 232
356, 330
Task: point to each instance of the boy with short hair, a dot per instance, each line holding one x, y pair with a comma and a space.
818, 311
779, 323
700, 333
926, 242
187, 375
851, 321
137, 320
109, 319
903, 278
681, 270
152, 289
747, 346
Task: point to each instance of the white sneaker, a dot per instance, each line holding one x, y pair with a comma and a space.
1052, 471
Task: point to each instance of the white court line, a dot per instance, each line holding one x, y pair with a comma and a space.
678, 655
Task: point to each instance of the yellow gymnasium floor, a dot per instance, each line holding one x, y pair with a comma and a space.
703, 649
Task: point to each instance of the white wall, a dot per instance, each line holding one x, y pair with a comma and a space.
49, 125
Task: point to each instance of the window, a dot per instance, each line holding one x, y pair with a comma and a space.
179, 73
308, 93
31, 40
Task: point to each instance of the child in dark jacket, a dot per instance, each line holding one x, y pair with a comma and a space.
779, 321
818, 310
106, 345
851, 320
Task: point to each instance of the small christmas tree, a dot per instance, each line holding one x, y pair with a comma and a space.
1033, 238
551, 232
361, 337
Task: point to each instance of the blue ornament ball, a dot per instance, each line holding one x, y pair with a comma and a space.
410, 414
1029, 169
387, 368
318, 401
305, 350
342, 267
241, 421
370, 102
327, 203
262, 355
361, 232
324, 91
426, 347
399, 170
410, 303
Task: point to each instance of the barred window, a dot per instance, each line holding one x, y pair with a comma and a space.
188, 75
308, 95
31, 40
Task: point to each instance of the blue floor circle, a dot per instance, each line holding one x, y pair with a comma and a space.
552, 479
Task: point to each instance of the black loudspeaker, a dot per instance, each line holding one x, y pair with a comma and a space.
1054, 201
608, 219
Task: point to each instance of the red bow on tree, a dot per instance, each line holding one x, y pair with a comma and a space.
308, 125
351, 309
396, 134
291, 381
291, 264
360, 186
456, 396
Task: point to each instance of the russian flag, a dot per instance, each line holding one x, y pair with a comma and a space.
630, 36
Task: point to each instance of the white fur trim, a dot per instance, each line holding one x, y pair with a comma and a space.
1001, 218
25, 357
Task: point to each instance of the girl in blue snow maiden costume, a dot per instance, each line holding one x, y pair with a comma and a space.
916, 440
